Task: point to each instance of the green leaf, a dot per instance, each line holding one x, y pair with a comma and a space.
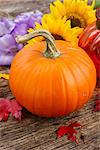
97, 3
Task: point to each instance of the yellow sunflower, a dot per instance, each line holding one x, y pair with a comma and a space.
59, 28
78, 11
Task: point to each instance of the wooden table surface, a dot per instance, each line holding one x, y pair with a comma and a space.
35, 133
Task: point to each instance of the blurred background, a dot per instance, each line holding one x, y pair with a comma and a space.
14, 7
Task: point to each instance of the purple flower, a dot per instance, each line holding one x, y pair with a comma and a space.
20, 29
7, 43
10, 28
6, 26
25, 21
6, 58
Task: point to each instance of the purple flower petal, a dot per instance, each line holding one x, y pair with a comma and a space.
19, 46
21, 19
32, 21
6, 26
38, 14
9, 24
20, 29
26, 17
5, 59
3, 29
7, 42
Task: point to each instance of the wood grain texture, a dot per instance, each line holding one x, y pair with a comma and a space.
35, 133
14, 7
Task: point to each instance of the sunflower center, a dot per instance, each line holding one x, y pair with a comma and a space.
58, 37
77, 20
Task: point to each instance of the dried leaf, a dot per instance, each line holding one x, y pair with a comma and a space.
5, 76
9, 106
68, 130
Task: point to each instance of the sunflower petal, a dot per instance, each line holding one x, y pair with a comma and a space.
77, 9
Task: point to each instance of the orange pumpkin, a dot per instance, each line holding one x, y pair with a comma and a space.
53, 82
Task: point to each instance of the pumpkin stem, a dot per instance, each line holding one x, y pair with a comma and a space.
98, 18
51, 49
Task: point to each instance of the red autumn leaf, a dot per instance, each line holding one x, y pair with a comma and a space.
15, 109
9, 106
71, 130
73, 138
68, 130
75, 124
97, 103
62, 131
4, 106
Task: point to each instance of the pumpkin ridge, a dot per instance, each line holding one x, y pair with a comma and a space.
21, 58
74, 82
86, 62
20, 83
29, 74
81, 54
61, 73
37, 83
19, 67
84, 75
74, 79
80, 104
49, 102
86, 65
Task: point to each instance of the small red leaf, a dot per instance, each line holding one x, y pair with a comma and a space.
68, 130
15, 109
71, 130
5, 116
62, 131
73, 138
4, 105
9, 106
75, 124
